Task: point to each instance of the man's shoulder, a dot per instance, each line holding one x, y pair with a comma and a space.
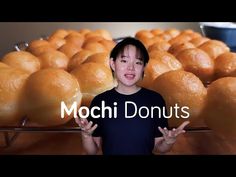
106, 94
151, 93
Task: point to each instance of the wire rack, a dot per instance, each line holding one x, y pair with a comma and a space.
11, 132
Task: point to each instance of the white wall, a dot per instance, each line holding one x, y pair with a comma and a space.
14, 32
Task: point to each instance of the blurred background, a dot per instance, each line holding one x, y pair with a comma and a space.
15, 32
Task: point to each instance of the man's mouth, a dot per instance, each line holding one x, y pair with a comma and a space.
130, 76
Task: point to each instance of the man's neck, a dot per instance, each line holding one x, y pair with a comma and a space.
127, 90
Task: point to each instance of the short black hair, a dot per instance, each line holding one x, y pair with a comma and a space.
130, 41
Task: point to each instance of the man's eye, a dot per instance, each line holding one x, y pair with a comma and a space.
139, 63
123, 61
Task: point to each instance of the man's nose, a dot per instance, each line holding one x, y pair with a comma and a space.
131, 66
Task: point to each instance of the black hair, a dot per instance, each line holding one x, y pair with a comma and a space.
130, 41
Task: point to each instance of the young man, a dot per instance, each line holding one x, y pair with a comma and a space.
133, 130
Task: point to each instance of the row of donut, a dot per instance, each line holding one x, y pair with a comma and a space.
34, 82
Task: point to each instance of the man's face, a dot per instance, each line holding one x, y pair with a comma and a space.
128, 66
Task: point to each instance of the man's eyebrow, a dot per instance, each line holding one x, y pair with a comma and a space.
139, 58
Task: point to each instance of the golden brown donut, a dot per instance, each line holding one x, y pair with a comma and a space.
94, 78
197, 62
44, 92
214, 48
53, 59
185, 89
220, 112
22, 60
225, 64
12, 82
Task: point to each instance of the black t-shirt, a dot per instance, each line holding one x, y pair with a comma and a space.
133, 129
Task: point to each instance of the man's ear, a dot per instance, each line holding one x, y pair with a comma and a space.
112, 64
